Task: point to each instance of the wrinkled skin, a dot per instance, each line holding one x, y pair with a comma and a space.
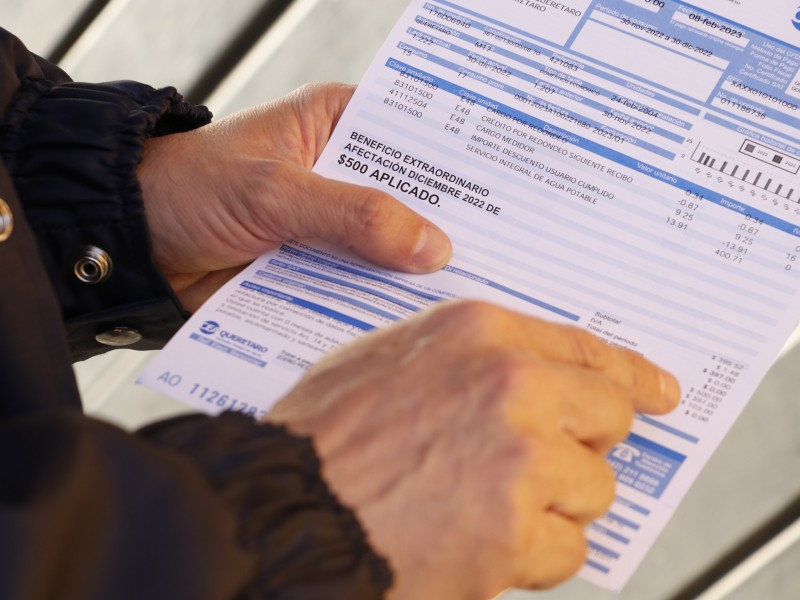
470, 440
219, 196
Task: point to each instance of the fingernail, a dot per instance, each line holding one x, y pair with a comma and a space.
670, 388
432, 250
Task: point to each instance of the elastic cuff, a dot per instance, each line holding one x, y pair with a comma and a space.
310, 546
73, 151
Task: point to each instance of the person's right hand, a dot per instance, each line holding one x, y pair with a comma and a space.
471, 442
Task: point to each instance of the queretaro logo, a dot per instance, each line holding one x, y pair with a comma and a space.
796, 19
209, 327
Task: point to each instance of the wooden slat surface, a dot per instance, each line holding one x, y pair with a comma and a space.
753, 476
42, 23
778, 581
162, 42
319, 40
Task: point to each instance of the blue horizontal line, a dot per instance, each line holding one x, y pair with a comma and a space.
622, 521
633, 506
339, 267
603, 550
597, 566
343, 283
510, 292
663, 427
612, 534
312, 306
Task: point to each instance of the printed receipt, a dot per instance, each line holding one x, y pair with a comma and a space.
628, 166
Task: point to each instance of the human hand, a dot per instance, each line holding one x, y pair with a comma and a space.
471, 442
219, 196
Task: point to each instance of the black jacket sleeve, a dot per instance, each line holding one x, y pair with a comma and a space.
197, 507
72, 150
194, 508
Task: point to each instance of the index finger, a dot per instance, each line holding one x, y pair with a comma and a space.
474, 322
654, 390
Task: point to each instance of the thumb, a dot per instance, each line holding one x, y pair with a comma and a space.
367, 221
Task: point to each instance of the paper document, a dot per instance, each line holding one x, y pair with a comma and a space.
627, 166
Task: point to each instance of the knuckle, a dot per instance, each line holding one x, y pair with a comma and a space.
618, 410
503, 381
575, 548
264, 179
571, 548
263, 173
620, 429
308, 94
373, 212
590, 350
508, 371
605, 489
316, 92
481, 321
311, 88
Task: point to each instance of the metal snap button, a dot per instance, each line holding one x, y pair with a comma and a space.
119, 336
94, 266
6, 221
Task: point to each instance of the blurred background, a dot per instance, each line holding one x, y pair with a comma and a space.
737, 534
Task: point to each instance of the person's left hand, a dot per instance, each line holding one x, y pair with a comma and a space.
219, 196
